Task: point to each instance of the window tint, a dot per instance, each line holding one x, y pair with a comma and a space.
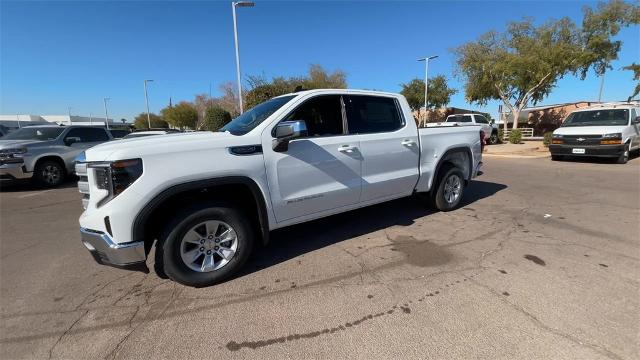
481, 119
372, 114
88, 134
323, 115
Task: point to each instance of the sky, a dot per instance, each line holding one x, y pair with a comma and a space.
59, 54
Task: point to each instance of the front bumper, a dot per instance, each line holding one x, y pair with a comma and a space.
589, 150
129, 256
15, 171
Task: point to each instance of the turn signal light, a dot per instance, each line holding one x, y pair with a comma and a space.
558, 141
611, 142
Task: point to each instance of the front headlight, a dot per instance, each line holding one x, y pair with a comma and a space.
556, 139
8, 156
557, 136
611, 139
612, 136
114, 177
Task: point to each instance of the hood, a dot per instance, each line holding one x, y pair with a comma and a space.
158, 144
12, 144
588, 130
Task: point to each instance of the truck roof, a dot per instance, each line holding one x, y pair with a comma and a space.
342, 91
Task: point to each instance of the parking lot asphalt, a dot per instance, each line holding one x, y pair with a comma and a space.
543, 261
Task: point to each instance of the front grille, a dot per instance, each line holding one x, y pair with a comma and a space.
83, 183
582, 139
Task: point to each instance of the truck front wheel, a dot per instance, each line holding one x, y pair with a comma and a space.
450, 189
205, 245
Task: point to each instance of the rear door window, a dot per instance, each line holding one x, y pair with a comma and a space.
372, 114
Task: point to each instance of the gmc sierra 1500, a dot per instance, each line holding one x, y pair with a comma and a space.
205, 199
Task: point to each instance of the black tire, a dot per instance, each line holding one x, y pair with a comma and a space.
440, 199
493, 139
557, 157
168, 249
49, 173
624, 157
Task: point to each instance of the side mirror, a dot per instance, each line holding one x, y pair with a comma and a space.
636, 120
72, 140
287, 131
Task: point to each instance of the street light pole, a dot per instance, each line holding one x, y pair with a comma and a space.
106, 113
146, 101
426, 79
235, 36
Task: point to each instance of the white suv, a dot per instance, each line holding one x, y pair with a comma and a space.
605, 130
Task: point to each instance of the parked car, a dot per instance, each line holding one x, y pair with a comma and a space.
119, 133
150, 132
606, 130
489, 128
45, 154
209, 197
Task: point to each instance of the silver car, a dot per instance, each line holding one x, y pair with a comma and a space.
45, 154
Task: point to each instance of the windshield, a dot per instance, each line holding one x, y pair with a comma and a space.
598, 118
252, 118
34, 133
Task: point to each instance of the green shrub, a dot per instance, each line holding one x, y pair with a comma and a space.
501, 135
215, 118
515, 136
547, 138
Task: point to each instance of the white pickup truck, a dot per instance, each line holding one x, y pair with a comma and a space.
207, 199
489, 128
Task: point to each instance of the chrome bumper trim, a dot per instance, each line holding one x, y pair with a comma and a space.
107, 252
15, 171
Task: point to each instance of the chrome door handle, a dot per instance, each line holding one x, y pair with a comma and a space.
347, 149
408, 142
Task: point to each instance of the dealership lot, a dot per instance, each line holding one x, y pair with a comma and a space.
542, 261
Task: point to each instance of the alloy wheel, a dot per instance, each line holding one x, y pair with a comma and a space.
209, 246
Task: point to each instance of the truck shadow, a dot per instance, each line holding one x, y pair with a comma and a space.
288, 243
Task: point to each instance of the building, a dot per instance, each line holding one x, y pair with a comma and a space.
19, 120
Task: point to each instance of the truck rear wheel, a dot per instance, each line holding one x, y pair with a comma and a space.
493, 139
205, 245
450, 189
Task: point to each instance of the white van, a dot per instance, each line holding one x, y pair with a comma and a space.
606, 130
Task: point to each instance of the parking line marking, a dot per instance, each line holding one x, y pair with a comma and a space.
34, 194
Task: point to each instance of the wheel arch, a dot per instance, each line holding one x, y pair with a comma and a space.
452, 156
50, 157
245, 191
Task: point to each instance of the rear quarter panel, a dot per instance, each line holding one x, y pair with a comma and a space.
437, 141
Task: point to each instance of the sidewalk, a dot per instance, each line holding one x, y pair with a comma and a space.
528, 149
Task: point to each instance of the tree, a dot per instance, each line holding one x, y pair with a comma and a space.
317, 78
636, 76
215, 118
523, 64
438, 95
141, 122
183, 115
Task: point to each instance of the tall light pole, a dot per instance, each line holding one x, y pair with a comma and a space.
146, 101
426, 79
235, 36
106, 113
